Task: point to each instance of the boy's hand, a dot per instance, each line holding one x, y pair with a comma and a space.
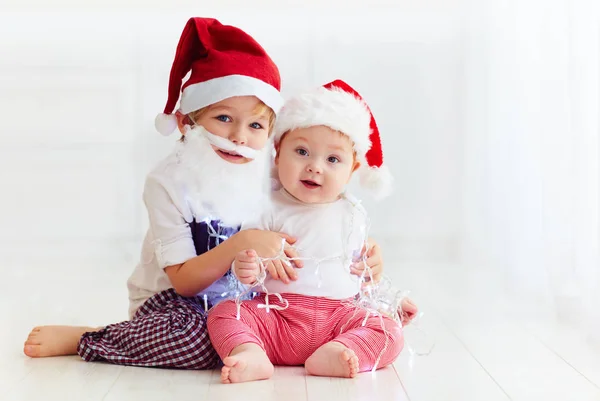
245, 266
267, 244
374, 261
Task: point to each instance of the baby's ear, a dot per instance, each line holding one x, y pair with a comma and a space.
277, 147
355, 167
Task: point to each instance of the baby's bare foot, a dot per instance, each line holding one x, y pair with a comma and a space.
247, 362
54, 340
334, 360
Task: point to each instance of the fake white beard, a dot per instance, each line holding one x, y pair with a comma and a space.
217, 188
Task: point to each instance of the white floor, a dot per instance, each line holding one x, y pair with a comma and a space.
487, 345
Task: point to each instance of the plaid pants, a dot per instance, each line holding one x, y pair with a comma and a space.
168, 331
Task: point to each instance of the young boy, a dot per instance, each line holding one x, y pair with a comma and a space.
226, 113
322, 138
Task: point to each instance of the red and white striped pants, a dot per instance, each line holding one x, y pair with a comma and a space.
290, 336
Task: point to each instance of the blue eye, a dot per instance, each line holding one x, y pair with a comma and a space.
302, 152
224, 118
333, 159
256, 126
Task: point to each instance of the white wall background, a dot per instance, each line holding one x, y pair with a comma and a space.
488, 111
80, 91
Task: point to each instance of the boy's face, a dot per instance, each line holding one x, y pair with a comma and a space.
315, 163
236, 120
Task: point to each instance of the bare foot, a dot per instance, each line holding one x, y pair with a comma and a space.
54, 340
247, 362
334, 360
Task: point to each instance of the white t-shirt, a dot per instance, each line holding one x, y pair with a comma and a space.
332, 233
169, 240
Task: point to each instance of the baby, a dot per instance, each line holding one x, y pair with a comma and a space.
321, 138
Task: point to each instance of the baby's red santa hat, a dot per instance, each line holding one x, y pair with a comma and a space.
224, 62
338, 106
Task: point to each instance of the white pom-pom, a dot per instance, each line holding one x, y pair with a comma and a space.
377, 180
165, 123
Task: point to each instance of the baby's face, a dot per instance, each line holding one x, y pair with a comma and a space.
315, 163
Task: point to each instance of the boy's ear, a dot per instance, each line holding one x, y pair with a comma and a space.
181, 121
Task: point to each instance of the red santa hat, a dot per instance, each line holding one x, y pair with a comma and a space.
338, 106
224, 62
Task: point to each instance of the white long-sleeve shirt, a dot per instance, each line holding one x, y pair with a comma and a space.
176, 234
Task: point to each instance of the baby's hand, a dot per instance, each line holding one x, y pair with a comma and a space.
282, 270
245, 266
374, 261
409, 311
